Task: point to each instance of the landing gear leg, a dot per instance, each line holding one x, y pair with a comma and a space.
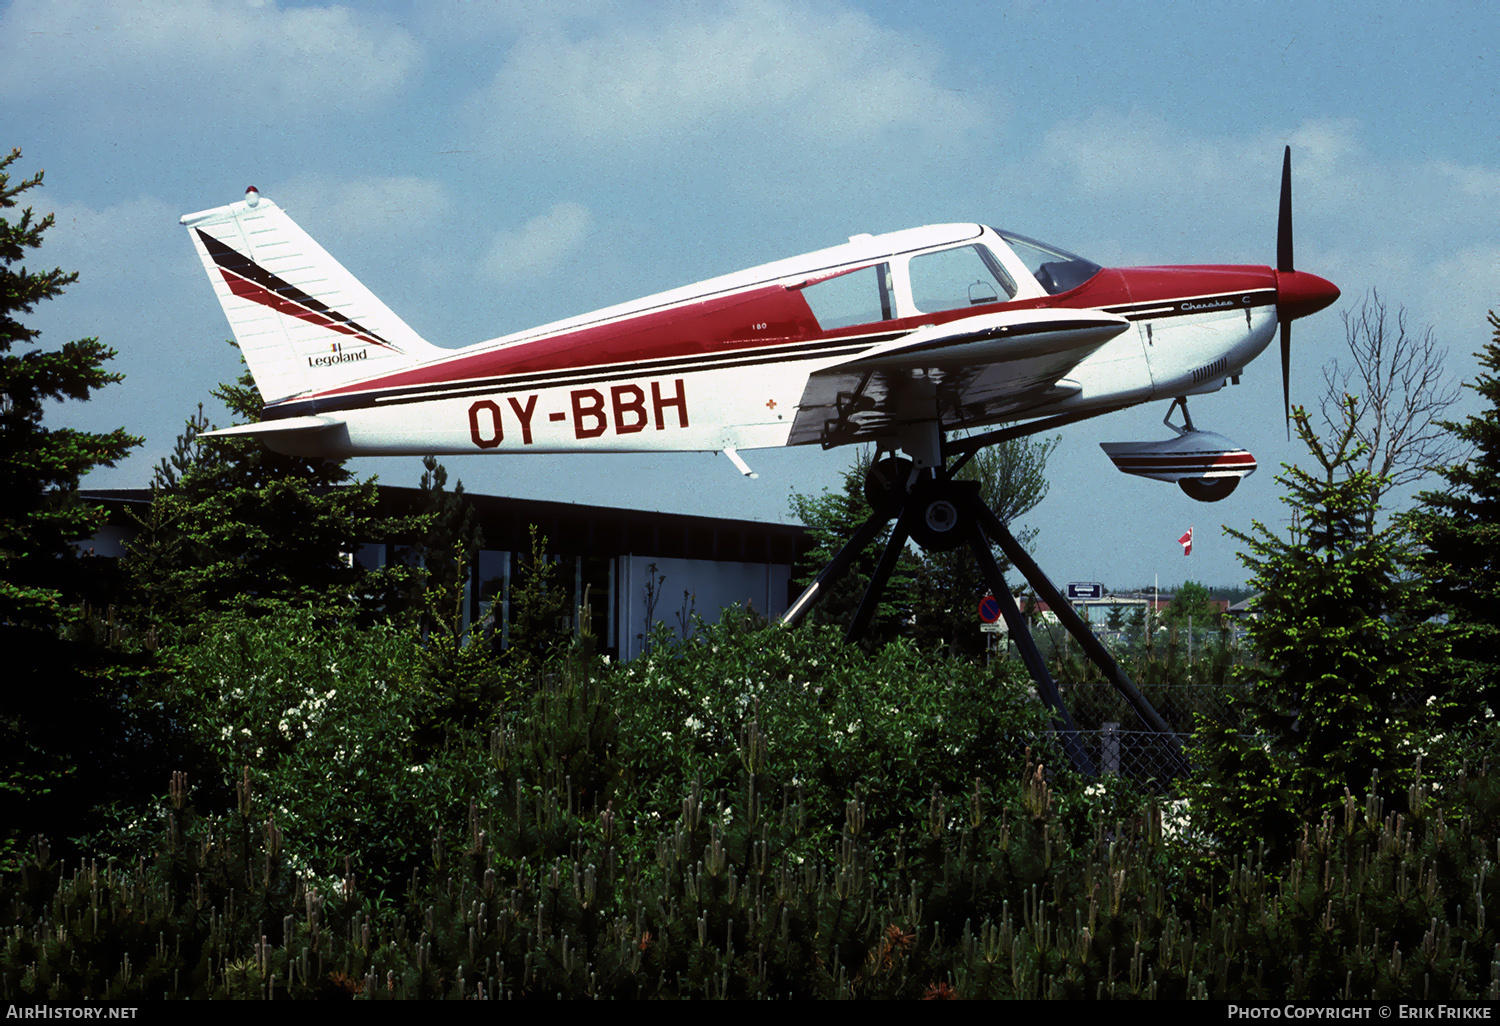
1187, 418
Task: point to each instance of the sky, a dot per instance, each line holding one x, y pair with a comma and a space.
485, 167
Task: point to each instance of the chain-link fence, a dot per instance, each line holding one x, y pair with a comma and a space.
1119, 743
1141, 755
1092, 706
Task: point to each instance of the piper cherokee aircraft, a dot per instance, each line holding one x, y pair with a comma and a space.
900, 340
896, 339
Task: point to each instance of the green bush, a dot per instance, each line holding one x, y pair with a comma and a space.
837, 723
325, 721
751, 813
970, 897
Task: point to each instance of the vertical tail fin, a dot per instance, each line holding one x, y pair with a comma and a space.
303, 322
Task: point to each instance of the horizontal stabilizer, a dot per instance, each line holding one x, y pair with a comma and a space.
296, 436
273, 427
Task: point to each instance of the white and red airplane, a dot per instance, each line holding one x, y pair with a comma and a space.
893, 339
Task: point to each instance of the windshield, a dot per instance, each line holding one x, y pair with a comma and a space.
1055, 270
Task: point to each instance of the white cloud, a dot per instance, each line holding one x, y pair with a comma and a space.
365, 208
1479, 182
1341, 192
465, 20
540, 244
794, 80
134, 245
1111, 153
156, 59
1461, 289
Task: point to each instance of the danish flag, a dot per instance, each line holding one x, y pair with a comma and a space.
1186, 541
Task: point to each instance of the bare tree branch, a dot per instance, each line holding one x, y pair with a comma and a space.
1402, 387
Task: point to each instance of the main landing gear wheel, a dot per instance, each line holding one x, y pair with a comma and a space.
939, 522
1208, 489
884, 477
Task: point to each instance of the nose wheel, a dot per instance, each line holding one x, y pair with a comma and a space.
1208, 489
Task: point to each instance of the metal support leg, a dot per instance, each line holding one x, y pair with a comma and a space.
839, 565
1091, 645
1019, 630
983, 525
870, 601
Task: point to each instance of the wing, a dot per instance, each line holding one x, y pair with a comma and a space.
977, 370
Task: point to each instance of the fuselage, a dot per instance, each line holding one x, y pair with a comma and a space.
734, 362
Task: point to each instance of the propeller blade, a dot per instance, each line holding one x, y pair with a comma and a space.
1284, 225
1284, 263
1286, 375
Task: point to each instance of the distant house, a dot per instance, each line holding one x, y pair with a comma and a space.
620, 560
1245, 609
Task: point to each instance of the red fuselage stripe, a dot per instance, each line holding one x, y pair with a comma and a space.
761, 318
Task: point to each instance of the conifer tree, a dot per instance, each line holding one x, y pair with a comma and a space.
1343, 663
444, 555
59, 725
236, 525
40, 514
1458, 532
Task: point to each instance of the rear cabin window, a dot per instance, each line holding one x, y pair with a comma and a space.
859, 297
953, 278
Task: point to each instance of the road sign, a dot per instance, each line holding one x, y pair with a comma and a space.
993, 628
1085, 590
989, 609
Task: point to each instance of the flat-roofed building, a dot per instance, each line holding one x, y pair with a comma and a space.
630, 566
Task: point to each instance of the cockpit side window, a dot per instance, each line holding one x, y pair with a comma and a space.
858, 297
954, 278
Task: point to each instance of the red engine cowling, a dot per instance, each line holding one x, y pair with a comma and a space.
1205, 465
